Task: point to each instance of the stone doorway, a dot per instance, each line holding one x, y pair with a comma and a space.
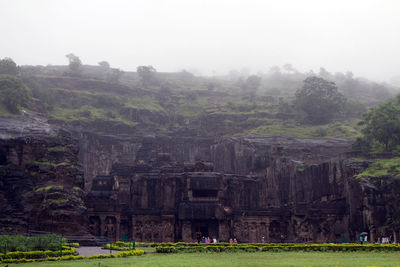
206, 228
95, 225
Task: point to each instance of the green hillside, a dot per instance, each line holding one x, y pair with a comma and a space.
176, 103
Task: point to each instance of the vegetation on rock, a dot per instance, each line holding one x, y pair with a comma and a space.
13, 93
101, 99
381, 128
382, 167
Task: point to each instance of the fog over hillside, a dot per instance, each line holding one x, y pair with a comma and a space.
208, 37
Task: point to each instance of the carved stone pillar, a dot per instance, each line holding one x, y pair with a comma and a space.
267, 233
253, 238
396, 236
102, 224
372, 234
118, 227
223, 231
186, 231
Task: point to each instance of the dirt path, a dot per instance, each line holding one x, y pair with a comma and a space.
87, 251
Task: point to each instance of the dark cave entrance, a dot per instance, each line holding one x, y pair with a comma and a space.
206, 228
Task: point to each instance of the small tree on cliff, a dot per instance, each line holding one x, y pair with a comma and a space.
319, 100
381, 125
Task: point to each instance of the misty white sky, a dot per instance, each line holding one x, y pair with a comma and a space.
341, 35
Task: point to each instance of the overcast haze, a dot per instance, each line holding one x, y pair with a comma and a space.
359, 36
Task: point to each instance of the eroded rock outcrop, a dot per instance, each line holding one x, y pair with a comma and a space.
41, 181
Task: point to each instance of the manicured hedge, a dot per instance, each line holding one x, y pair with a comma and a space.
120, 254
22, 260
36, 254
116, 247
72, 257
74, 245
348, 247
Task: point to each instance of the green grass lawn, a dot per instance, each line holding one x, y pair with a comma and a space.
240, 259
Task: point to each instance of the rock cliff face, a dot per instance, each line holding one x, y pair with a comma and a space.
166, 188
162, 200
282, 189
247, 155
41, 182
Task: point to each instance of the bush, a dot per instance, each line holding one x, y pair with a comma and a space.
21, 257
22, 243
121, 254
254, 247
37, 254
23, 260
74, 245
13, 93
320, 132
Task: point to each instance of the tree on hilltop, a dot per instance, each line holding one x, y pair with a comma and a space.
319, 100
75, 64
146, 74
8, 66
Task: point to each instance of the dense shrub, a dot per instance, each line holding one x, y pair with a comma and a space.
36, 254
117, 247
31, 256
120, 254
254, 247
23, 243
13, 93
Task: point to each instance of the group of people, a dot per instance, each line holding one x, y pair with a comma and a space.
207, 240
363, 238
214, 240
387, 240
233, 241
383, 240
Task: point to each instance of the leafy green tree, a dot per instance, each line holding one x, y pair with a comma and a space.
13, 93
8, 66
319, 100
354, 109
382, 125
75, 64
146, 74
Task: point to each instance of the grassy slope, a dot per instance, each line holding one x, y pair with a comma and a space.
348, 129
89, 106
276, 127
240, 259
382, 167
